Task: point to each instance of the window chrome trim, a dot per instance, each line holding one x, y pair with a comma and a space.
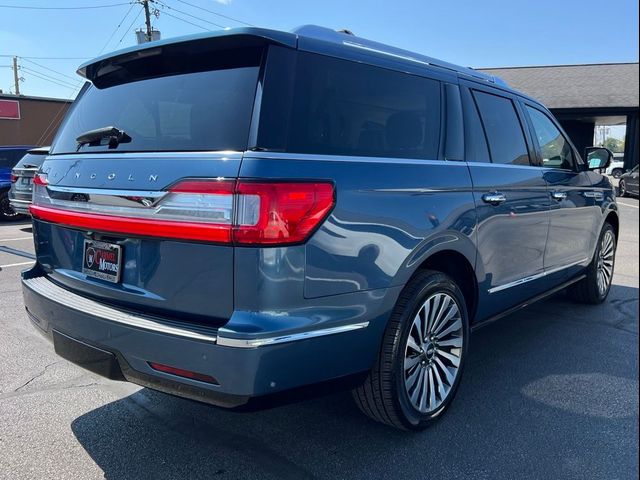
530, 278
348, 158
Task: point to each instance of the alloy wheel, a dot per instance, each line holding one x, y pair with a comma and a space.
622, 188
6, 211
605, 262
433, 352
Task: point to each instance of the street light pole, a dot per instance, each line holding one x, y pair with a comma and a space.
16, 77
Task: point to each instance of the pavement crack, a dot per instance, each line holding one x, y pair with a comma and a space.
36, 376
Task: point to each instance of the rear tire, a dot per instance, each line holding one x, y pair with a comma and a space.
595, 287
420, 364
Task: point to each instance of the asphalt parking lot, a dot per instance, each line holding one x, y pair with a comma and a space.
549, 392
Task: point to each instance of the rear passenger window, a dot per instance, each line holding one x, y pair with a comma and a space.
555, 149
502, 128
347, 108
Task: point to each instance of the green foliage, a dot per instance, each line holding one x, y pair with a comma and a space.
613, 144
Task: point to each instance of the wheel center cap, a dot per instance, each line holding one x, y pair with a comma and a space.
429, 351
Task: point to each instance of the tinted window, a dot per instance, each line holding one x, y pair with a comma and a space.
31, 160
208, 110
502, 128
346, 108
556, 151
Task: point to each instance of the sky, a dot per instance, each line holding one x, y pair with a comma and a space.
52, 42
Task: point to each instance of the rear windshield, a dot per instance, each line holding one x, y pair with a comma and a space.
32, 160
9, 157
198, 111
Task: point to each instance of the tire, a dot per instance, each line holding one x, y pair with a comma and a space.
622, 189
6, 212
617, 172
384, 396
589, 290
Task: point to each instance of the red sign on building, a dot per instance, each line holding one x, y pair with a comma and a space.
9, 109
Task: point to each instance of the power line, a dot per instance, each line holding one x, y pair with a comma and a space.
47, 58
187, 21
129, 28
50, 69
216, 13
117, 28
89, 7
47, 78
189, 15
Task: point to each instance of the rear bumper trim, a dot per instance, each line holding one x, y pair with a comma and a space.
54, 293
223, 337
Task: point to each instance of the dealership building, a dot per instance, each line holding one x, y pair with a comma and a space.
27, 120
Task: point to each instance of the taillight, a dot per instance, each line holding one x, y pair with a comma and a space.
214, 210
14, 178
40, 179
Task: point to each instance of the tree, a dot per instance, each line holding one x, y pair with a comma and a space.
614, 144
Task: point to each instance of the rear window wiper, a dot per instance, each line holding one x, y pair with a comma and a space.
95, 137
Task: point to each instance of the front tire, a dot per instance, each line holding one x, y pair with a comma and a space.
622, 188
420, 363
617, 173
595, 287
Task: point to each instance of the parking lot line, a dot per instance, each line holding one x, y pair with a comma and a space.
15, 239
17, 264
627, 205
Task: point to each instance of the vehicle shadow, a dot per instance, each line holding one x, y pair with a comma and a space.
549, 392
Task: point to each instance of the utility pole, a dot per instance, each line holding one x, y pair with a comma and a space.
147, 15
16, 77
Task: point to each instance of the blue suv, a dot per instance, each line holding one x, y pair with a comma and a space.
243, 213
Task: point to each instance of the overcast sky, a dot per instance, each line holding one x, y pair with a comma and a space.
485, 33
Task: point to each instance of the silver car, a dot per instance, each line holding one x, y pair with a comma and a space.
22, 179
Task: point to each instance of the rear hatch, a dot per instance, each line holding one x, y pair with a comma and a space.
134, 205
24, 171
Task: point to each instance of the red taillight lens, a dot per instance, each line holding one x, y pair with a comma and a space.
276, 213
14, 178
213, 210
40, 179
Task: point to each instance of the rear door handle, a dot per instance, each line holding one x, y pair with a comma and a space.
559, 196
494, 198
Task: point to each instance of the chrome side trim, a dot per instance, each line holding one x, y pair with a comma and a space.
347, 158
59, 295
261, 342
203, 155
520, 281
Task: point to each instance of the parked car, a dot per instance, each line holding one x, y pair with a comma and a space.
232, 215
616, 169
22, 178
629, 183
9, 156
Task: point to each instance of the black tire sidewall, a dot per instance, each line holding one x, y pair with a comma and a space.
434, 283
4, 199
622, 188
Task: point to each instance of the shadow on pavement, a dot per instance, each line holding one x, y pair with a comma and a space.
550, 392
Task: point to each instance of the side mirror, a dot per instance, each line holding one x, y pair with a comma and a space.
598, 157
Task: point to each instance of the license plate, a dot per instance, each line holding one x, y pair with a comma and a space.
102, 260
25, 181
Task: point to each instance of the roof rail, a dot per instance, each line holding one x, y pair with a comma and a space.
347, 38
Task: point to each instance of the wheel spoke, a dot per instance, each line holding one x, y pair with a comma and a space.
437, 318
434, 305
411, 361
413, 378
432, 392
423, 393
411, 343
455, 360
455, 326
439, 382
453, 342
450, 375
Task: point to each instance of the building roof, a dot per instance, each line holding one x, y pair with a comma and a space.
11, 96
608, 85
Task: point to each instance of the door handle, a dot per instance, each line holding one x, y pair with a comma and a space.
559, 196
494, 198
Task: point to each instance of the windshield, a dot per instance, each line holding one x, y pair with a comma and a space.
209, 110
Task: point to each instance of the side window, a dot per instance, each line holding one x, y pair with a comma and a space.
555, 149
502, 127
346, 108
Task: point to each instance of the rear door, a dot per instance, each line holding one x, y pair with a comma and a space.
143, 220
575, 203
511, 199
